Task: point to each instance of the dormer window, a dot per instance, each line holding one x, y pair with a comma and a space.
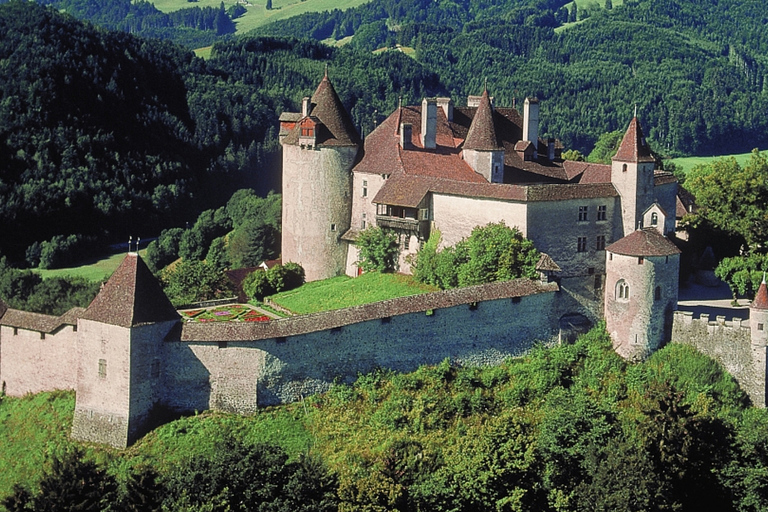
654, 219
307, 132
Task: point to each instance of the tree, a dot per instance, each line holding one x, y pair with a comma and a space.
608, 4
164, 250
574, 14
573, 154
606, 146
260, 284
194, 281
378, 250
269, 5
734, 198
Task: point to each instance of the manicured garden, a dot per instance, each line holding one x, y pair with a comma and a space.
229, 313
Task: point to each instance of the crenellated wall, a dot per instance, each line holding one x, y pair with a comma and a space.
728, 342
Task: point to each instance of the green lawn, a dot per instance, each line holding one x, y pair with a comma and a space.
97, 270
687, 163
256, 13
341, 292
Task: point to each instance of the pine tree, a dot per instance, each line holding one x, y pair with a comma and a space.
269, 5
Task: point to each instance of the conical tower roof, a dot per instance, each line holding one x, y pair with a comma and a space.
131, 297
634, 148
327, 107
761, 298
482, 132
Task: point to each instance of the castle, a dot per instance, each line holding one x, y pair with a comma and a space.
604, 231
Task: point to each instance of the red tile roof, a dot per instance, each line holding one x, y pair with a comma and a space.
482, 132
644, 242
634, 147
338, 128
132, 296
761, 298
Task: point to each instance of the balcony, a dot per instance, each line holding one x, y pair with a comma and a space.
419, 227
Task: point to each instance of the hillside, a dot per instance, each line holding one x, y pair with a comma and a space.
568, 428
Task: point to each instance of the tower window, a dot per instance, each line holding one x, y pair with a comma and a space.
581, 244
654, 219
600, 243
583, 213
624, 168
365, 188
362, 224
622, 290
102, 368
640, 260
759, 327
601, 212
333, 227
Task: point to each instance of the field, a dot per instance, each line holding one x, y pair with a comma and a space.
687, 163
96, 270
341, 292
256, 13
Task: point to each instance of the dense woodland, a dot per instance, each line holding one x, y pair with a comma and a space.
567, 428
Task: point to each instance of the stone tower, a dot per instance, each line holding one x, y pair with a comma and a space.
641, 285
758, 323
481, 149
318, 155
120, 343
632, 175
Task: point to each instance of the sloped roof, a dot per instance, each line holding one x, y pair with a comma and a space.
38, 321
132, 296
634, 148
482, 132
761, 298
644, 242
338, 128
547, 264
3, 308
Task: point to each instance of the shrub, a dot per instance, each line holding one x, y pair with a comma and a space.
379, 250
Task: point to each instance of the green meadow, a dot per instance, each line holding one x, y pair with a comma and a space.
96, 270
689, 162
256, 13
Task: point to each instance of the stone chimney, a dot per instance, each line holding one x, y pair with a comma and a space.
531, 123
305, 101
447, 105
473, 101
551, 149
428, 123
406, 134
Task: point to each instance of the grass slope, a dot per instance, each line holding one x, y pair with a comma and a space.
96, 270
256, 13
343, 291
689, 162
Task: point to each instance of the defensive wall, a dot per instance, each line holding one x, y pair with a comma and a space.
730, 343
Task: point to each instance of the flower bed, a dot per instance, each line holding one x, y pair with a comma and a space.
230, 313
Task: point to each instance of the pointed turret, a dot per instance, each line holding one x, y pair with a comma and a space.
131, 297
327, 107
761, 298
482, 132
634, 148
481, 149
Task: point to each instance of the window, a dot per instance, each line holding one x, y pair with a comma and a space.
42, 335
601, 212
624, 168
600, 243
333, 227
640, 260
15, 331
362, 224
583, 213
407, 243
581, 244
102, 368
365, 188
654, 219
598, 281
424, 214
657, 293
759, 327
622, 290
307, 132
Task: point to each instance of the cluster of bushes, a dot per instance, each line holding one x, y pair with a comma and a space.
277, 279
60, 251
494, 252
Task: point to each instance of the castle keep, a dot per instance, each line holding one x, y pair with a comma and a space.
605, 231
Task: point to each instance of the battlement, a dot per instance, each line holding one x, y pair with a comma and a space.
686, 318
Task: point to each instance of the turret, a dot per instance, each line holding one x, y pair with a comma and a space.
481, 149
641, 292
318, 155
632, 174
758, 323
120, 377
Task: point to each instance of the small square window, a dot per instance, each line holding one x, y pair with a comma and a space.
759, 327
640, 260
333, 227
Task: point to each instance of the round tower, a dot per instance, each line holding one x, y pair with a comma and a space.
758, 323
318, 155
641, 292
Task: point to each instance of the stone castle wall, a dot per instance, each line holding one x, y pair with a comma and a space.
729, 343
31, 361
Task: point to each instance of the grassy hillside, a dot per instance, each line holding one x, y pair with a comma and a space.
687, 163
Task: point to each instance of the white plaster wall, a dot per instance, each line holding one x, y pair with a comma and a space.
29, 364
456, 216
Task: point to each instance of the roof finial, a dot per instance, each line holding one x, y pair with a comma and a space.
635, 110
486, 84
763, 277
326, 70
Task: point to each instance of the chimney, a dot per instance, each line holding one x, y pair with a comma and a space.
531, 122
447, 105
551, 148
473, 101
406, 134
305, 106
428, 123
